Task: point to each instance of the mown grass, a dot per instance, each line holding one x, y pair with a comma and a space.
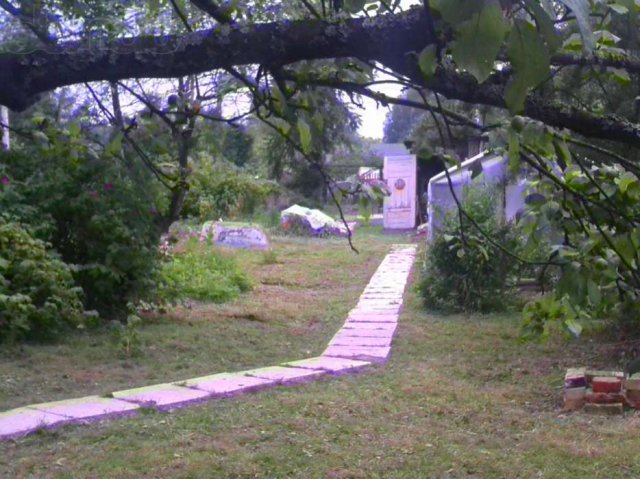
460, 397
302, 292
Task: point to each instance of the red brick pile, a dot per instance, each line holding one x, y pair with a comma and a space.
600, 392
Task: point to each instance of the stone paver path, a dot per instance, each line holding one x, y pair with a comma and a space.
365, 338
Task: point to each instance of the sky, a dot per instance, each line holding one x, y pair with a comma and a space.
372, 119
373, 115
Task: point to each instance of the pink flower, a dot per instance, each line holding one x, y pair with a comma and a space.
5, 180
108, 187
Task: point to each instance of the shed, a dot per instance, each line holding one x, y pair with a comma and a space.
493, 172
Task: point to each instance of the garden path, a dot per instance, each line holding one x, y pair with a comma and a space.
364, 339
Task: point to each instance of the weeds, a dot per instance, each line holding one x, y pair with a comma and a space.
269, 257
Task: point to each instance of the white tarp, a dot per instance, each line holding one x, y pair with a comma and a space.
316, 221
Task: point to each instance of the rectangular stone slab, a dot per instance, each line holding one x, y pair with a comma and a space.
372, 317
373, 306
332, 365
381, 296
365, 332
372, 310
397, 270
164, 396
378, 309
394, 269
372, 354
365, 303
285, 375
379, 291
228, 384
389, 284
22, 421
383, 326
386, 289
355, 341
88, 408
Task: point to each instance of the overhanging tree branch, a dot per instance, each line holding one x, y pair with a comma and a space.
391, 40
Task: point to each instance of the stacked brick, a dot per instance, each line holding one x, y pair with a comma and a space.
600, 391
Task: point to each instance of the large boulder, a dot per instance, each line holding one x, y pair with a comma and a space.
314, 222
250, 237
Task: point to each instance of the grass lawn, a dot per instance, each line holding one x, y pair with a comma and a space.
296, 306
460, 397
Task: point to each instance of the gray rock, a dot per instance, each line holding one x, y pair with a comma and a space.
235, 237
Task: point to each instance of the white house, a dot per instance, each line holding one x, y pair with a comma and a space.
494, 173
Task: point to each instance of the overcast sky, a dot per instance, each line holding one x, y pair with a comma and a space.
373, 115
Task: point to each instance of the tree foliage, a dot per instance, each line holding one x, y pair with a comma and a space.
38, 298
569, 67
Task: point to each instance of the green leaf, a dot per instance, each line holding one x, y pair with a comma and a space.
562, 153
318, 121
456, 11
619, 9
338, 195
595, 297
574, 326
619, 75
74, 129
479, 40
537, 136
581, 11
354, 6
626, 180
530, 60
545, 25
114, 146
635, 237
279, 100
427, 61
626, 250
573, 43
606, 38
305, 136
40, 136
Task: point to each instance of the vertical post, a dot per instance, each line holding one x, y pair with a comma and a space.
4, 126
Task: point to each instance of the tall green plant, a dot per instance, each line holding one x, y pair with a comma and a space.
219, 190
462, 269
201, 273
90, 207
38, 298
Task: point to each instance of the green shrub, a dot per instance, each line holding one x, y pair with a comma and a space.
201, 273
38, 298
469, 273
221, 191
126, 336
94, 211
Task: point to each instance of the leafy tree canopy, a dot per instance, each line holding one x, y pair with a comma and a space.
568, 70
